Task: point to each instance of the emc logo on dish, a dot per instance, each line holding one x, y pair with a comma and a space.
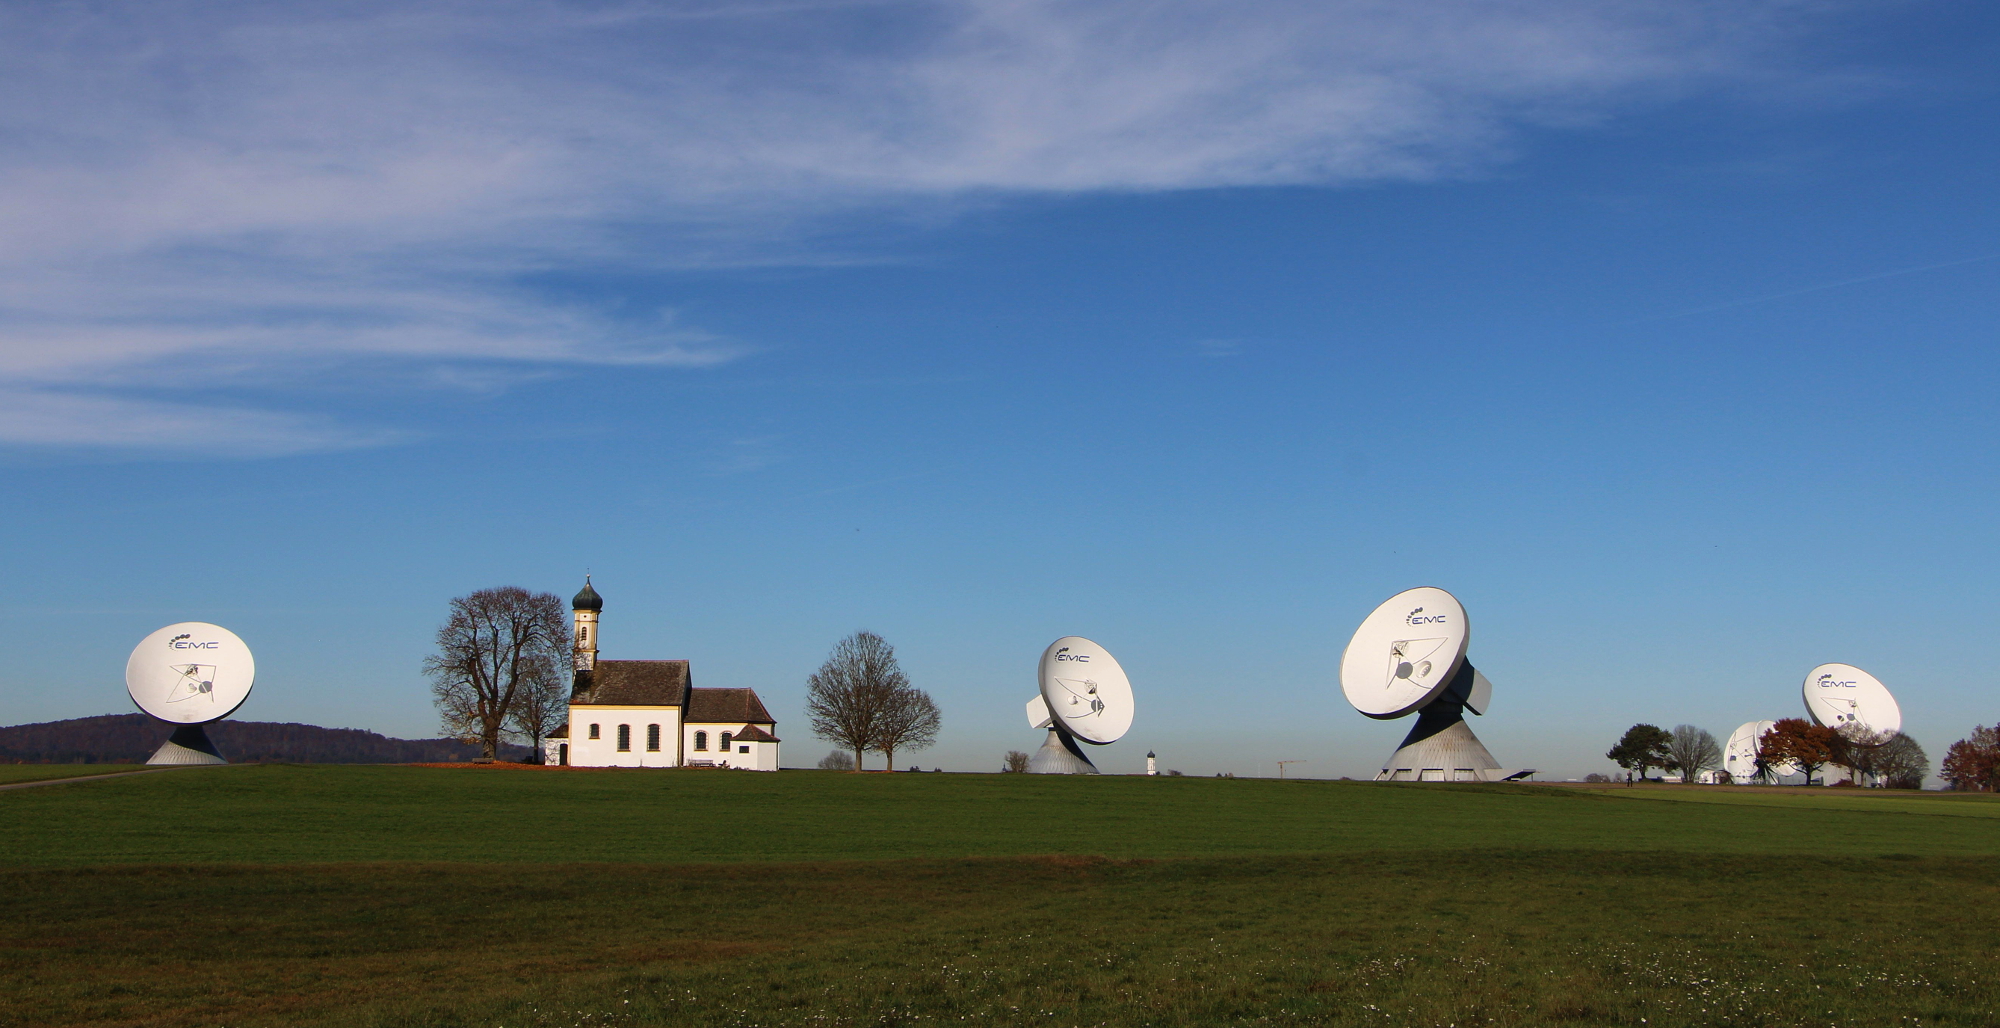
1431, 619
1826, 682
180, 642
1065, 654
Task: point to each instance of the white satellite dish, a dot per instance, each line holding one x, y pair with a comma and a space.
1405, 653
1085, 697
1841, 696
1409, 655
1739, 754
189, 674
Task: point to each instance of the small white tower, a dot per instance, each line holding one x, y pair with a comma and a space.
586, 607
1151, 768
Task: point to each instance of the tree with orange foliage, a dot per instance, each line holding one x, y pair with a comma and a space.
1800, 742
1974, 763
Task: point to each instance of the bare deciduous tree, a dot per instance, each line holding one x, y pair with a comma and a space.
1691, 751
1859, 751
1015, 762
909, 721
836, 761
497, 645
541, 707
847, 696
1901, 764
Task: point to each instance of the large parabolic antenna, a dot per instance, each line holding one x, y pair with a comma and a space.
1085, 698
1843, 697
188, 675
1409, 656
1739, 755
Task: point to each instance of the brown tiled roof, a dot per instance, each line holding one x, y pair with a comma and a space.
560, 733
636, 683
752, 733
711, 706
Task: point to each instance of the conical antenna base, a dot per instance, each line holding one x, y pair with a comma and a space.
188, 745
1060, 755
1442, 748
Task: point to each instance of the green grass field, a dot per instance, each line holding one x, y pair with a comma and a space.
11, 773
501, 897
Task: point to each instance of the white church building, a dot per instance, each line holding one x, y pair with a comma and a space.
648, 713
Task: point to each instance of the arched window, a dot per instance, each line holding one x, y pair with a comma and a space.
624, 738
701, 741
725, 742
652, 738
593, 732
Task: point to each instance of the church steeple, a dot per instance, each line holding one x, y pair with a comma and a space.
586, 607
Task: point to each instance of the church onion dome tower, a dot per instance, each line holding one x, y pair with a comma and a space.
585, 609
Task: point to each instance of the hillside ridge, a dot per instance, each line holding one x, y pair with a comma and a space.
131, 738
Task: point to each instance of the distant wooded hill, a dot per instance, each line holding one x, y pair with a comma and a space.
131, 738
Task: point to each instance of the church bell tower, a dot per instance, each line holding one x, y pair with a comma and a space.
586, 606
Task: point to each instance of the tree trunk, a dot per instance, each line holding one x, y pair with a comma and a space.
889, 760
857, 759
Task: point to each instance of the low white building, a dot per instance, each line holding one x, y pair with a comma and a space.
648, 713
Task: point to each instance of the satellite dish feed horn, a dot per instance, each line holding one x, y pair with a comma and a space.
1409, 656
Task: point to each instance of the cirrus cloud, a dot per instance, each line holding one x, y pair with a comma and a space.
258, 189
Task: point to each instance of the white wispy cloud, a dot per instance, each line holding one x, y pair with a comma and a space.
256, 189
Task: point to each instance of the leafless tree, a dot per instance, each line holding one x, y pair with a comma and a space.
910, 721
1901, 763
497, 645
1691, 751
836, 761
541, 706
1015, 762
1859, 751
847, 697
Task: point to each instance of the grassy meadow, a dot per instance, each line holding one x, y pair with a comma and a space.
12, 773
323, 895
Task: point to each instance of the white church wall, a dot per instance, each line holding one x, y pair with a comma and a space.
603, 751
702, 741
755, 756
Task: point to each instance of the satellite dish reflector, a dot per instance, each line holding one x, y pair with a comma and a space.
1038, 713
190, 673
1842, 695
1086, 691
1405, 653
1739, 754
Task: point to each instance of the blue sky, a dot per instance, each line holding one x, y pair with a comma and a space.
1661, 334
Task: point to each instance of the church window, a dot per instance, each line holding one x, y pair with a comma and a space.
652, 738
701, 741
725, 742
593, 732
742, 749
624, 738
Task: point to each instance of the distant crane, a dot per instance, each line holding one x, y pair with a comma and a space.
1282, 763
